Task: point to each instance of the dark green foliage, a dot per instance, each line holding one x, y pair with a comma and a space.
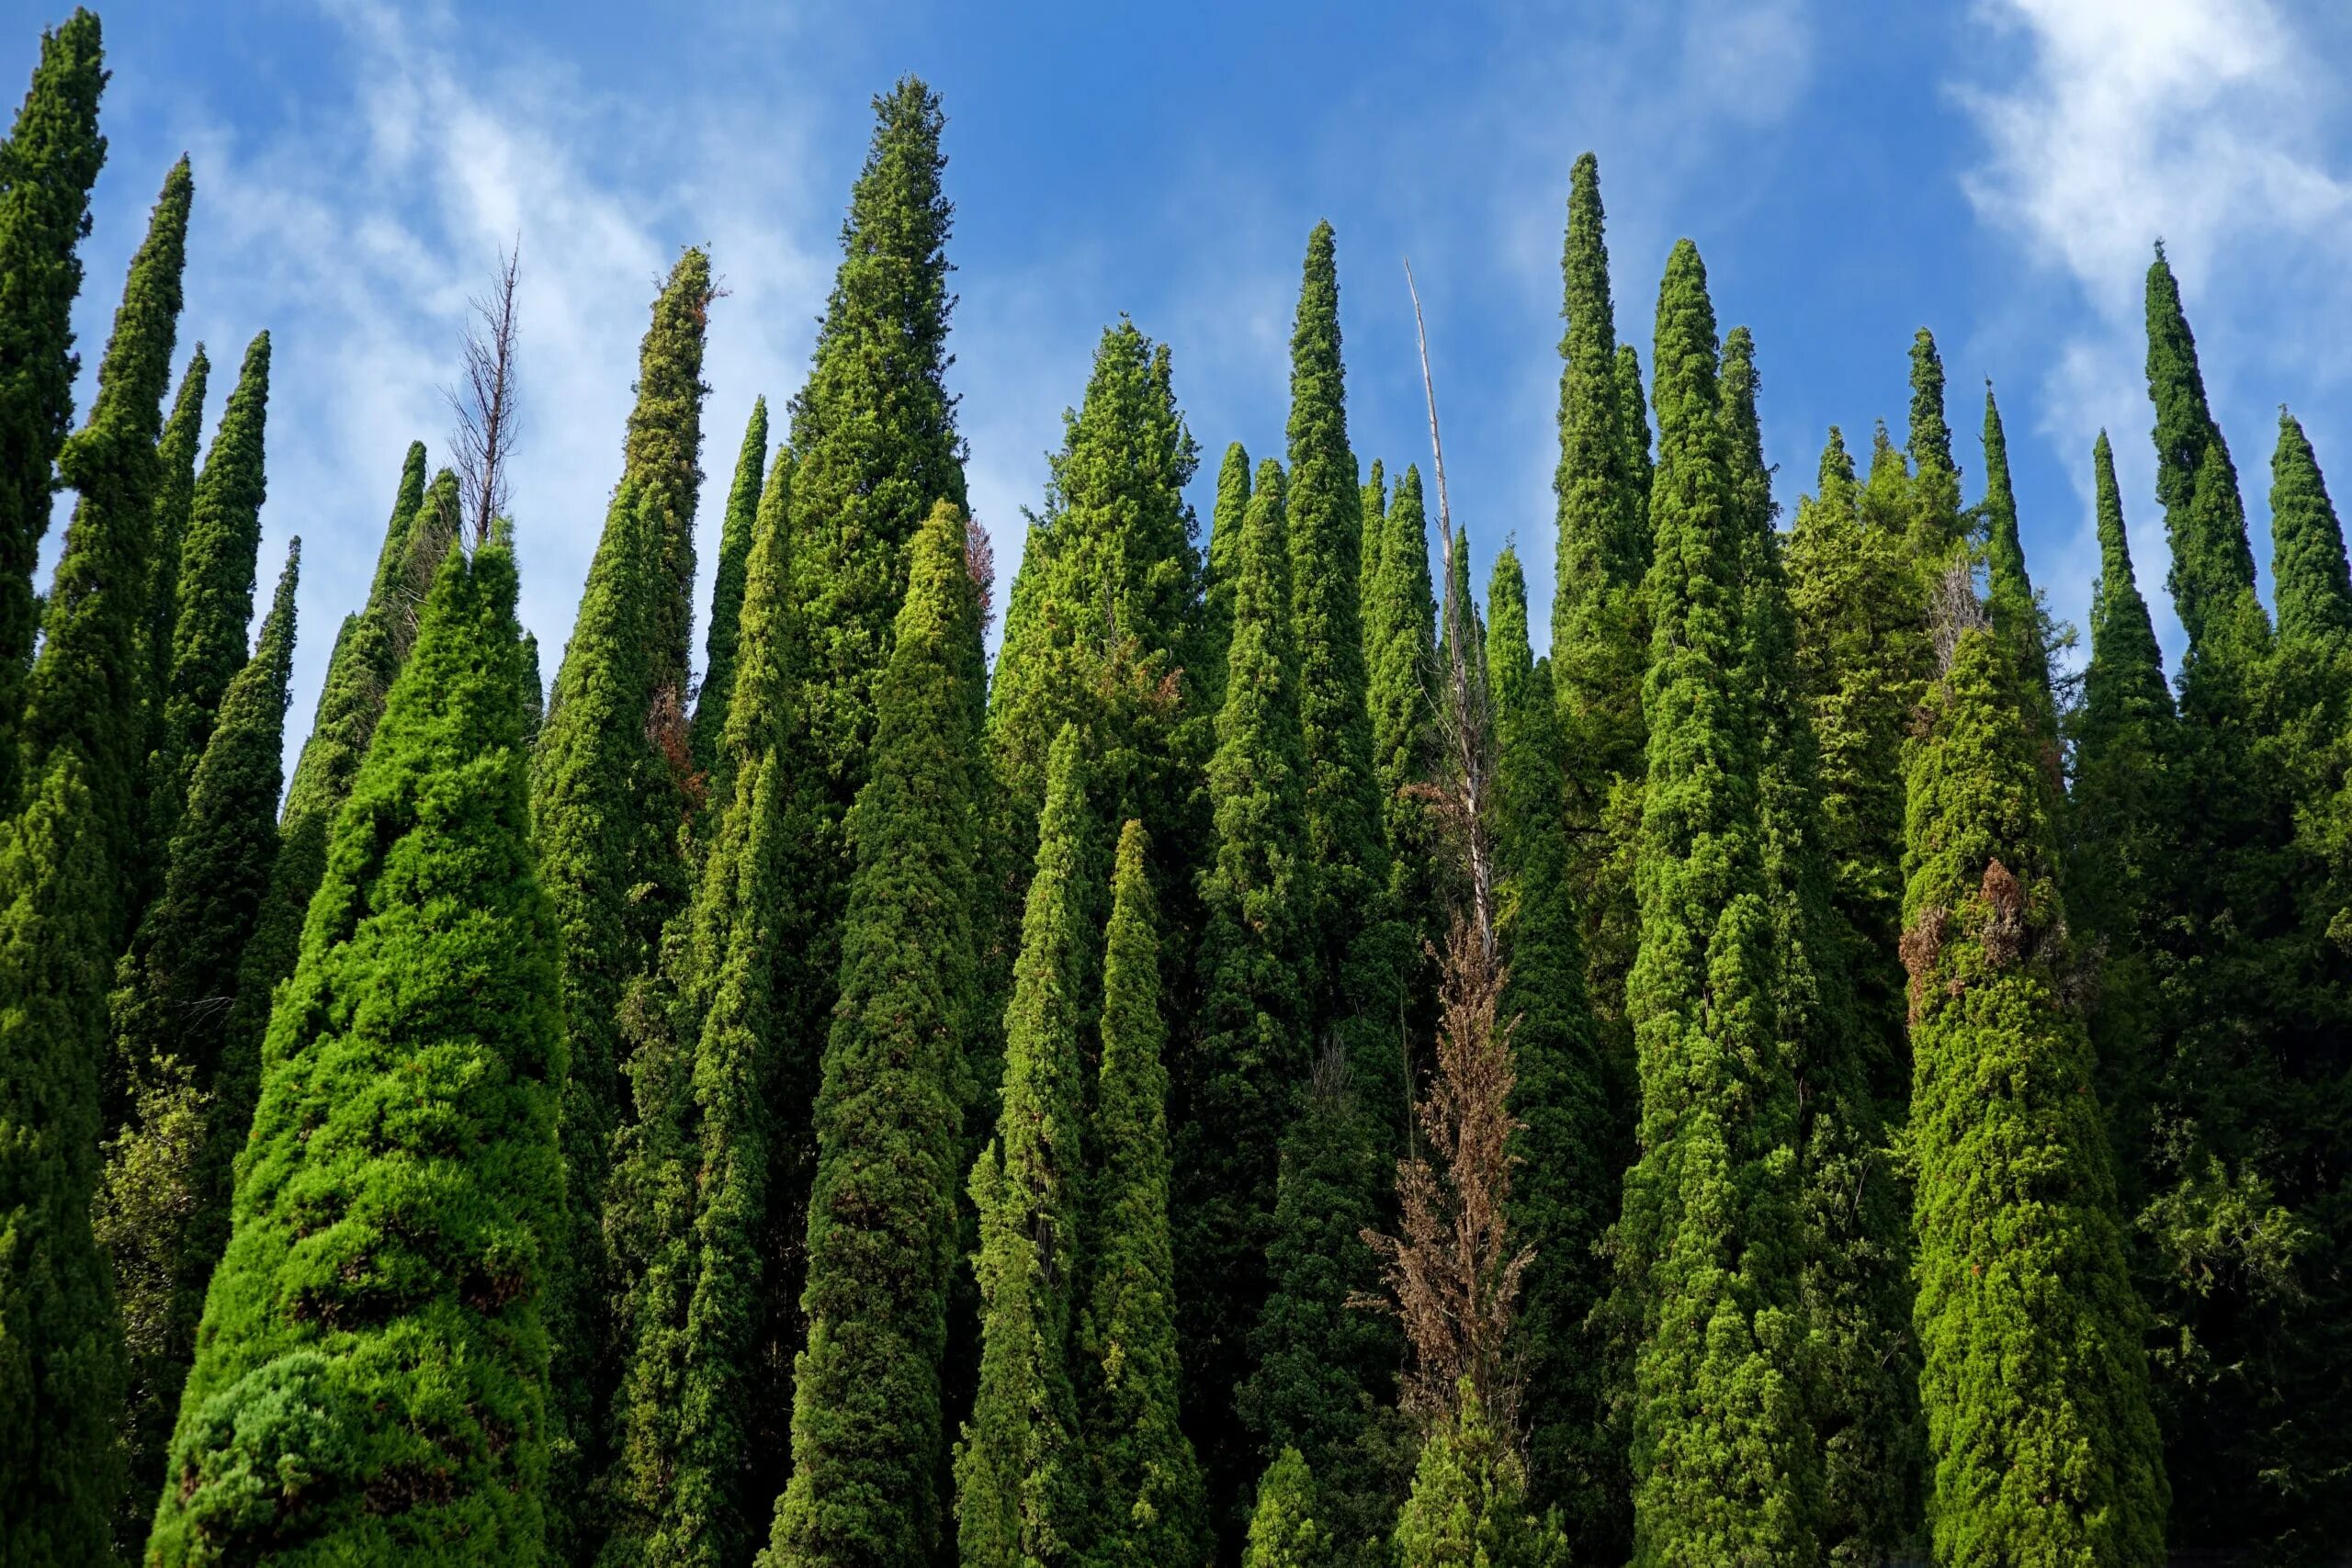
63, 862
371, 1381
1398, 627
1723, 1461
2212, 564
1374, 505
1150, 1506
2015, 608
2307, 567
212, 594
1634, 425
866, 1429
2042, 1445
165, 1188
1469, 1507
1236, 1083
46, 166
1568, 1145
1935, 524
1285, 1528
743, 500
1020, 1473
176, 457
1224, 563
662, 457
691, 1179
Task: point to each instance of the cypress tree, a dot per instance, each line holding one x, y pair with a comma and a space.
606, 802
2042, 1445
1021, 1474
1235, 1093
169, 1168
175, 496
1469, 1504
1936, 522
2010, 598
1399, 633
64, 862
743, 501
371, 1381
1224, 564
47, 167
1634, 425
2307, 566
2212, 564
1722, 1462
1151, 1505
1284, 1530
696, 1169
866, 1428
212, 594
1567, 1144
1374, 504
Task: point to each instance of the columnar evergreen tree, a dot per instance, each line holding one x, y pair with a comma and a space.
372, 1379
1374, 504
1022, 1492
46, 166
606, 804
2307, 565
1224, 562
212, 595
1567, 1144
171, 1008
1236, 1087
692, 1175
1469, 1507
1936, 525
1150, 1504
174, 498
1285, 1529
63, 868
743, 501
1722, 1460
2010, 599
1398, 638
2039, 1434
1634, 425
2212, 564
866, 1429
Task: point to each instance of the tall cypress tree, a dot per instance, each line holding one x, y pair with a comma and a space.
1151, 1501
375, 1326
1633, 427
64, 865
2042, 1445
694, 1171
1398, 637
1722, 1460
1020, 1473
743, 501
1568, 1148
1936, 525
2011, 600
1235, 1092
606, 804
1469, 1507
212, 594
168, 1171
1224, 563
1374, 504
47, 167
2307, 566
2212, 564
174, 498
866, 1428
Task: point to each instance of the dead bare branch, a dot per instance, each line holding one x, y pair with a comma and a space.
485, 405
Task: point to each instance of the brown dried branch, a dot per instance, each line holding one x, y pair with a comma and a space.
487, 421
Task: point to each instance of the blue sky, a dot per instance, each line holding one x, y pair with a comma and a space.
1995, 171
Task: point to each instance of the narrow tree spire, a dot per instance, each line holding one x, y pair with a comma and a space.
2307, 568
213, 590
2011, 600
377, 1311
164, 1194
1021, 1472
1224, 562
1403, 663
1373, 507
2212, 563
662, 454
867, 1442
1936, 519
1634, 425
176, 457
51, 159
1721, 1451
1150, 1499
743, 501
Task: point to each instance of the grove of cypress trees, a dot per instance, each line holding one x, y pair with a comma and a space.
1568, 1145
375, 1326
1150, 1505
2040, 1439
213, 592
867, 1428
176, 454
64, 865
1722, 1460
47, 167
743, 501
1469, 1507
169, 1170
1021, 1470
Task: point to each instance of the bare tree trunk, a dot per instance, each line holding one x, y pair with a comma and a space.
485, 405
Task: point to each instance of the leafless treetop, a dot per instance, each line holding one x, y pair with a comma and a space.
485, 404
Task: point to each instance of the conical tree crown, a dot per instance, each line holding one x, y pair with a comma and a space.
2212, 564
1600, 516
744, 499
1936, 523
2010, 599
1468, 1507
174, 497
1285, 1531
1403, 664
2307, 568
1224, 562
1373, 507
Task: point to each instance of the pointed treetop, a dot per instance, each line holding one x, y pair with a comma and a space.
744, 502
2125, 657
2213, 561
2307, 566
1837, 483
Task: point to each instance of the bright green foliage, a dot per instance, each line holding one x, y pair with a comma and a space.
1567, 1141
1224, 563
1237, 1086
1284, 1528
1020, 1473
693, 1175
1936, 525
2212, 564
1150, 1507
212, 594
2015, 608
1634, 425
1398, 626
1723, 1461
371, 1381
168, 1173
1864, 1408
2307, 567
46, 166
174, 497
866, 1425
1374, 504
743, 500
2042, 1445
606, 801
62, 864
1469, 1507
